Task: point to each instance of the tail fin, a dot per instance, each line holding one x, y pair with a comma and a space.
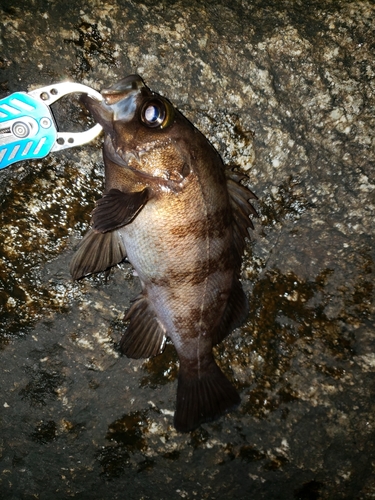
203, 399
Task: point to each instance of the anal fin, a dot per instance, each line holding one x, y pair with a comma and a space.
145, 335
97, 252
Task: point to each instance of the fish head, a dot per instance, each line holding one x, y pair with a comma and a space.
144, 132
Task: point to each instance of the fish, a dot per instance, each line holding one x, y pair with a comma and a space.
181, 218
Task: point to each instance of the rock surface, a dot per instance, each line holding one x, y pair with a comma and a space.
285, 92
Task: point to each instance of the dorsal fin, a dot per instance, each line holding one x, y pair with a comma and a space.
235, 312
239, 196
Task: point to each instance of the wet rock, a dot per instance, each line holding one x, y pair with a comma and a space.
285, 93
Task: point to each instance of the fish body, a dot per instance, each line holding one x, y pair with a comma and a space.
171, 208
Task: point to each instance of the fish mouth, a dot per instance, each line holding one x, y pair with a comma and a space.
118, 91
122, 158
132, 160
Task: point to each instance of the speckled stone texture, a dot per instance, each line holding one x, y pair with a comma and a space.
285, 91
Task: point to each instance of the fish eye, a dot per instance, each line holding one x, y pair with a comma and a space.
156, 113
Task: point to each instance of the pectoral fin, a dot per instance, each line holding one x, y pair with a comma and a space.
116, 209
97, 252
145, 335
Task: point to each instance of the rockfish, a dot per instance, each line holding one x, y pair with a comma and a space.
171, 208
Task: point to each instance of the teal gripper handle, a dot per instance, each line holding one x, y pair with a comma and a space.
27, 129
